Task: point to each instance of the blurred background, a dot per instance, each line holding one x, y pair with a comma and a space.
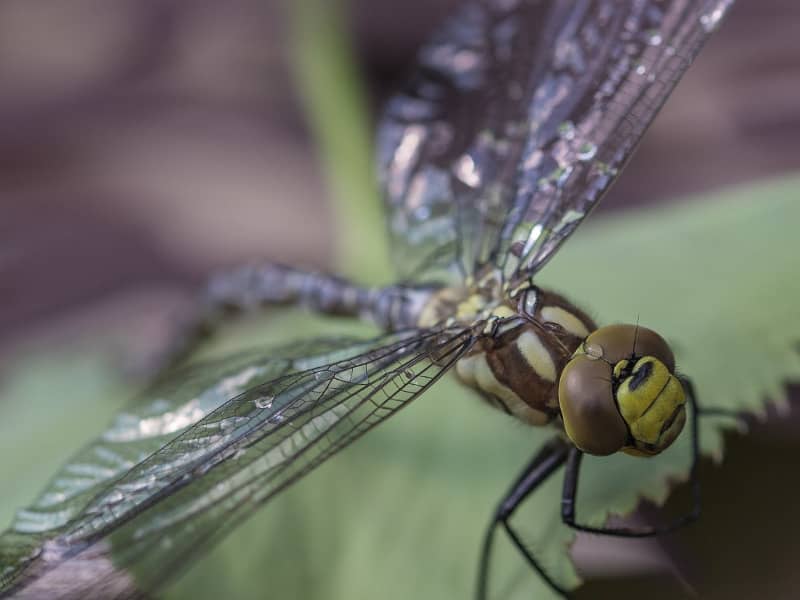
147, 143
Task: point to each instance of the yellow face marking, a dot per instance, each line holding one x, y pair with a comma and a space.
651, 400
475, 371
536, 355
556, 314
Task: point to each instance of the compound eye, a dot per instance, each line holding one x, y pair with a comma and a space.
619, 392
618, 342
586, 397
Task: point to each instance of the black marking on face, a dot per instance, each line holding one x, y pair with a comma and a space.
641, 375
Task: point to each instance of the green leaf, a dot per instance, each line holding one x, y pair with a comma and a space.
50, 403
401, 513
414, 496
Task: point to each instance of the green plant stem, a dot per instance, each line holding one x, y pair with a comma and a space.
331, 88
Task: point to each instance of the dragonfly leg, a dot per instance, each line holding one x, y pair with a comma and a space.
543, 464
256, 287
568, 510
712, 411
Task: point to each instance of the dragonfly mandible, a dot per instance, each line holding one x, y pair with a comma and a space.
518, 118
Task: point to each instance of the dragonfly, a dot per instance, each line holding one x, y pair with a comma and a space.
517, 118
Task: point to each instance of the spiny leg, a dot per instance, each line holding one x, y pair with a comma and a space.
544, 463
255, 287
568, 509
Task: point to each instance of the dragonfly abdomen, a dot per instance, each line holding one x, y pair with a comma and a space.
392, 307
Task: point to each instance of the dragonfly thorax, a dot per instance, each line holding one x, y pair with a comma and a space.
541, 359
525, 343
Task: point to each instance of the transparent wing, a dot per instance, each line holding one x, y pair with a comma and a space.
519, 117
190, 461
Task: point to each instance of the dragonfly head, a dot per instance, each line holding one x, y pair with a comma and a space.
619, 391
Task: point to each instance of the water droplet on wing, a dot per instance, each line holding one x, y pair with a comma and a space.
264, 402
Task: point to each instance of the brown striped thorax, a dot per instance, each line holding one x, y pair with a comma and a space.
543, 360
